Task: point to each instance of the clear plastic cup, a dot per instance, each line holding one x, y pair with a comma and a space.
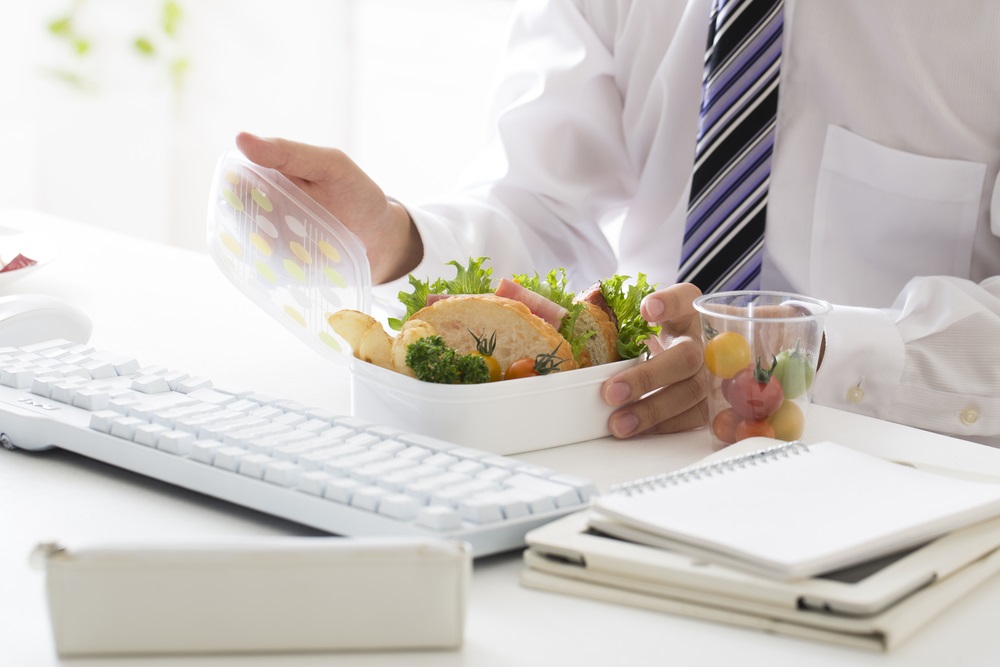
761, 353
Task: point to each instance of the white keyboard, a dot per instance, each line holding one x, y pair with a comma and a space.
336, 473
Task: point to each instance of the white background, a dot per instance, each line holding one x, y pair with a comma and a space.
401, 85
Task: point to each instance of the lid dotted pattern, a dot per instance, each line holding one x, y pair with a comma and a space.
269, 239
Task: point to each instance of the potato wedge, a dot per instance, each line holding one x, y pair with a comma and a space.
352, 325
376, 347
411, 331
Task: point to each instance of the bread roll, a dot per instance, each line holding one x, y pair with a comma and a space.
601, 348
519, 332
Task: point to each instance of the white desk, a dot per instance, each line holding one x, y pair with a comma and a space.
172, 307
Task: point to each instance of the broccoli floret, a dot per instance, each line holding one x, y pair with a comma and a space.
433, 361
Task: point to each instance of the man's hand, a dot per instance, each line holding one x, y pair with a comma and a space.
341, 187
668, 390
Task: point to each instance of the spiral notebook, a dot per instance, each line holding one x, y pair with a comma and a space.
793, 511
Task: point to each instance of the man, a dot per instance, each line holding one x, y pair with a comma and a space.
883, 194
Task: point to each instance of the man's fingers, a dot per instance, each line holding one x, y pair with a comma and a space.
676, 364
671, 307
679, 407
300, 162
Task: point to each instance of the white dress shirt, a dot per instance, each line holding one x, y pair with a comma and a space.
884, 191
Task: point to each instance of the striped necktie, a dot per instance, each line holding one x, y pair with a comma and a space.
724, 234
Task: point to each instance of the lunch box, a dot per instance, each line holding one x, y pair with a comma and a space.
300, 264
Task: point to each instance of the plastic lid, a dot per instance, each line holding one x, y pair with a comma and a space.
286, 252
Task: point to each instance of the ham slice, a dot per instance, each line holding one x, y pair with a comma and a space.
547, 309
434, 298
594, 295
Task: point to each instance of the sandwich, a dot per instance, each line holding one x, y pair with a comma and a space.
452, 328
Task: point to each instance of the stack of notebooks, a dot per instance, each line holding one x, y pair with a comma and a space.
819, 541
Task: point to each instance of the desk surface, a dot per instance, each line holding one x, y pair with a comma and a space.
172, 307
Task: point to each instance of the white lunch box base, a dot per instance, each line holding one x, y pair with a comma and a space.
507, 417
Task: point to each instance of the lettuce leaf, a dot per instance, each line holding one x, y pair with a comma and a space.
553, 287
624, 300
471, 279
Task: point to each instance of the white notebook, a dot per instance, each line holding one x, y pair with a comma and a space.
793, 511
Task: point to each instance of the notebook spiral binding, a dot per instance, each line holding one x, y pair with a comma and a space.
684, 475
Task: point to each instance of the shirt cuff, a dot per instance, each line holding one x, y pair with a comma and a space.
863, 361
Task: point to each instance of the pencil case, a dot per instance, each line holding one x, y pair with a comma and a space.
288, 594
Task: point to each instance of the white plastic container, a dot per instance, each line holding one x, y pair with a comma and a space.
300, 264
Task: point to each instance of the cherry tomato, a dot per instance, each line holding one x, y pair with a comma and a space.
754, 393
492, 365
751, 428
788, 421
726, 354
724, 425
520, 368
794, 371
484, 348
541, 364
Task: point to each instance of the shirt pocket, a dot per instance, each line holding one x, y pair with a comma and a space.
883, 216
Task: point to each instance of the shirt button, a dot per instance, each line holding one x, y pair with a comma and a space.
855, 394
969, 416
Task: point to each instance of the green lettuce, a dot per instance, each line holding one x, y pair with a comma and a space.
624, 300
471, 279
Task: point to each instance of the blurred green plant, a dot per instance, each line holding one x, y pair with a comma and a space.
159, 45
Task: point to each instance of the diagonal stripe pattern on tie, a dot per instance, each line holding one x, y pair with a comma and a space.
724, 234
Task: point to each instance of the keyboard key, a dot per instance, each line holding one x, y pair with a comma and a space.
467, 467
536, 503
60, 343
562, 494
440, 518
371, 472
399, 506
291, 419
103, 419
204, 450
175, 442
391, 446
442, 461
212, 396
283, 473
190, 384
454, 494
368, 497
124, 427
493, 474
174, 378
315, 460
99, 369
480, 509
254, 465
584, 487
399, 479
18, 377
510, 505
343, 465
229, 457
433, 444
341, 489
42, 386
91, 399
65, 390
423, 488
148, 434
313, 482
150, 384
242, 437
122, 363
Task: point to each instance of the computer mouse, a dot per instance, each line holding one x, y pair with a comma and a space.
33, 318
